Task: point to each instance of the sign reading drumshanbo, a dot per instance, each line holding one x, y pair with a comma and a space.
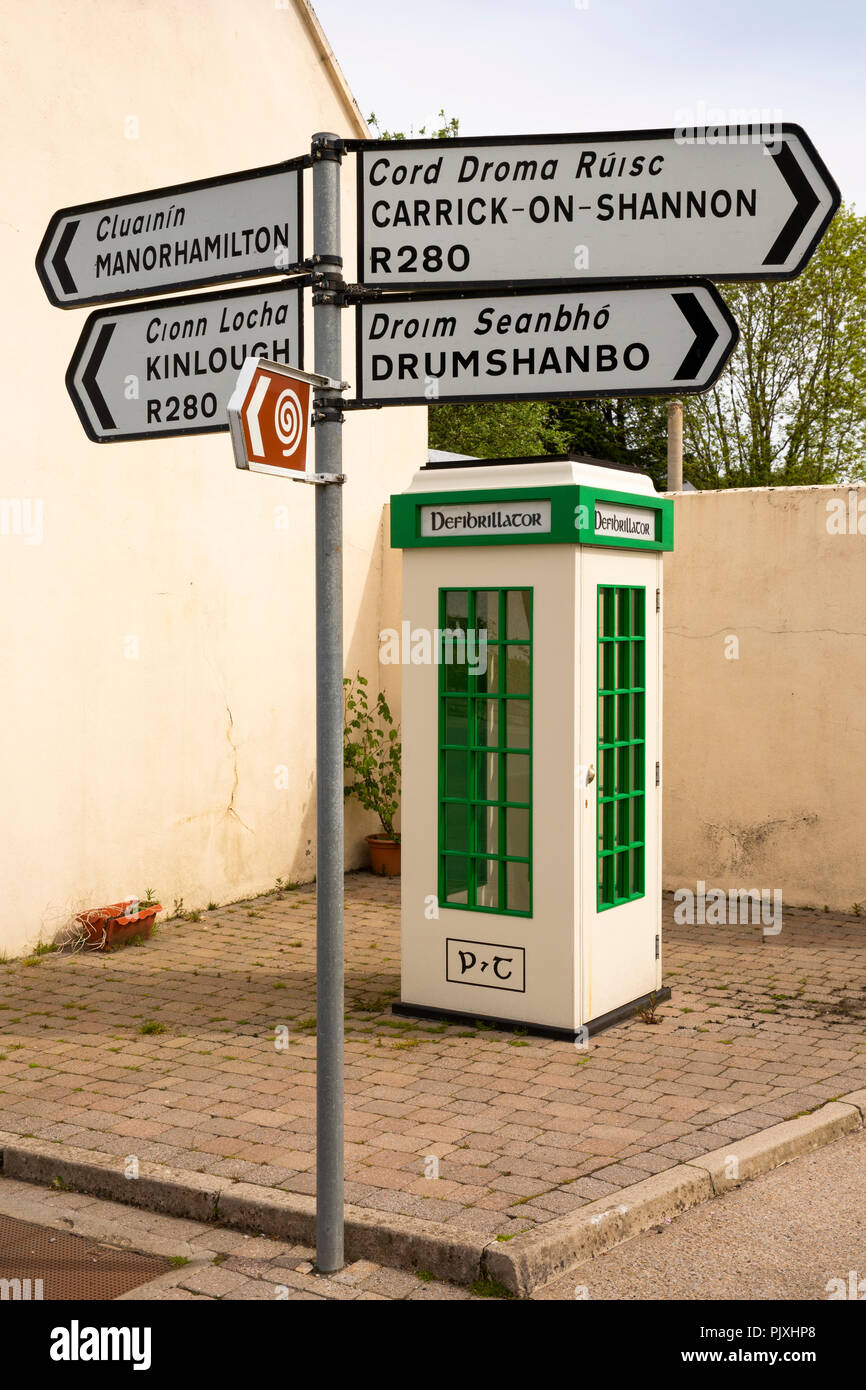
169, 366
238, 226
646, 340
729, 203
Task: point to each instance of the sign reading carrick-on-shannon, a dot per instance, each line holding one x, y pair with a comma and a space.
632, 341
169, 366
236, 227
730, 203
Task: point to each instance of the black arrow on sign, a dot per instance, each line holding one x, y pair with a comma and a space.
58, 260
88, 377
807, 201
706, 336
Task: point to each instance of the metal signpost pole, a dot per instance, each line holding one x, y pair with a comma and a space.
326, 153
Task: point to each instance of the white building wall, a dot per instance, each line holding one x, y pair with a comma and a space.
123, 772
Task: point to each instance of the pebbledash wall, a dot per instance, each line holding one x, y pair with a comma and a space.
156, 605
765, 693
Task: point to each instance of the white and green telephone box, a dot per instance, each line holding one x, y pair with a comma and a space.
531, 805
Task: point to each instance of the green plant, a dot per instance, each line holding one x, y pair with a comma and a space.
648, 1012
488, 1287
372, 753
152, 1027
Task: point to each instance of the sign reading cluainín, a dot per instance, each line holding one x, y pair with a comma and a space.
733, 203
239, 226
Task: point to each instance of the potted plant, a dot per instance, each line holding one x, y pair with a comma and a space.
103, 928
372, 754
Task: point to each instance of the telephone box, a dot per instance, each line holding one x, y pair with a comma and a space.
531, 803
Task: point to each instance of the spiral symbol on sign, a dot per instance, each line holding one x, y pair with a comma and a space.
289, 420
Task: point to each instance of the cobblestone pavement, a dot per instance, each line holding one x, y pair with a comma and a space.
212, 1262
173, 1052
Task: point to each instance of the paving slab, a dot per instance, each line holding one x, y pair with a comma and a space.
192, 1059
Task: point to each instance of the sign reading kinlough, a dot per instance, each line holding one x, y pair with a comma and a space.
527, 517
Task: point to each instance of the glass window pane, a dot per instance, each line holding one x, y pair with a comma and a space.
456, 721
487, 776
455, 674
457, 609
623, 712
622, 613
638, 675
487, 723
638, 606
605, 612
606, 665
486, 669
623, 665
486, 873
623, 769
518, 609
517, 670
622, 875
517, 887
517, 833
456, 875
486, 829
456, 769
517, 777
487, 613
455, 825
637, 766
516, 723
607, 772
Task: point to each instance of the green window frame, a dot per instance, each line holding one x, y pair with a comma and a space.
621, 744
485, 751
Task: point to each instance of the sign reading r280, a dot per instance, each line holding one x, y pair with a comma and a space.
735, 203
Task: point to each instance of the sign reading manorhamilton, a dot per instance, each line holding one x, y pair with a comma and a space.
236, 227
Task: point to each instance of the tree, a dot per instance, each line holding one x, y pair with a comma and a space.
790, 408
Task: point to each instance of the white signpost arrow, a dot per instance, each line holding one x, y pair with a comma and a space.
734, 203
648, 340
239, 226
168, 367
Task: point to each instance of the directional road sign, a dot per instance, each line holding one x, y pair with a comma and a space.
731, 203
650, 340
237, 227
269, 418
168, 367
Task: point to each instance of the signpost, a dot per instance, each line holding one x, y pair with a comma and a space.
542, 346
168, 367
269, 419
734, 203
237, 227
538, 267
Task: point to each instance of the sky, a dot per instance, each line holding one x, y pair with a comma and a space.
503, 67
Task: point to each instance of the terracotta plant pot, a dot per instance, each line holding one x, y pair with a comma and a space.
107, 927
384, 855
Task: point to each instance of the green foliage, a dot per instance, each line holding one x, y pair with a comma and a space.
495, 429
372, 753
790, 409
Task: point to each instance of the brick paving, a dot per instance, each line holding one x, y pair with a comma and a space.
213, 1263
524, 1128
